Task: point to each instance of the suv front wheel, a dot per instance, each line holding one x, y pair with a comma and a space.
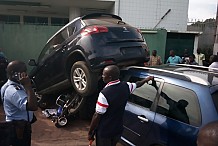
83, 79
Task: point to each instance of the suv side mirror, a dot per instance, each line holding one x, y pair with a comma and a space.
32, 62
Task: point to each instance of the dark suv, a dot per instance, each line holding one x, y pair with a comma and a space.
170, 110
76, 54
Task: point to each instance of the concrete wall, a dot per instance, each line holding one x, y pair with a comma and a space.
23, 42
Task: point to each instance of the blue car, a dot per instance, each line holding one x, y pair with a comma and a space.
170, 110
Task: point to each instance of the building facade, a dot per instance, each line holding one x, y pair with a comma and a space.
143, 14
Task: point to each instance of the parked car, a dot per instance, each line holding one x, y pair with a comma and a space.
170, 110
74, 57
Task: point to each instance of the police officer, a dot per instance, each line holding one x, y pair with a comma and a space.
19, 102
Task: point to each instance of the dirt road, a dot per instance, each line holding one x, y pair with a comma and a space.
46, 134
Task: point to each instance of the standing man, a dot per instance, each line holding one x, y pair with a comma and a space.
199, 57
173, 59
108, 118
19, 102
155, 59
214, 63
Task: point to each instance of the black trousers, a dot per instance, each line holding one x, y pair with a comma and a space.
15, 133
107, 141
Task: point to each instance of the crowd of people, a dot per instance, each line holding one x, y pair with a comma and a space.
197, 58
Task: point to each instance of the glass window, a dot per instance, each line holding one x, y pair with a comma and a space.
145, 95
59, 21
10, 18
179, 103
35, 20
215, 99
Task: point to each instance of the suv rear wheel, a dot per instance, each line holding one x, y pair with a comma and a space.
83, 79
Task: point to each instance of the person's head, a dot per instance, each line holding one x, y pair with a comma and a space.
191, 57
208, 135
199, 50
15, 66
213, 58
172, 53
186, 53
182, 103
110, 73
154, 52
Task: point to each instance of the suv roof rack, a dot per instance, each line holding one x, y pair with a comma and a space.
193, 66
94, 15
162, 72
172, 73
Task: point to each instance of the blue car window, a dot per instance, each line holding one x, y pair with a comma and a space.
180, 104
215, 100
145, 95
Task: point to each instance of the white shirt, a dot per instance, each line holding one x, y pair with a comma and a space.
199, 58
214, 67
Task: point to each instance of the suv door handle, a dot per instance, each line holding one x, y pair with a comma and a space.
143, 118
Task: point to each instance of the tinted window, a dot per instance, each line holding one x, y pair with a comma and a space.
215, 99
144, 95
59, 21
35, 20
179, 103
56, 41
10, 18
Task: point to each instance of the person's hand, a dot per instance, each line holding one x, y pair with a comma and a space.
91, 136
24, 79
150, 78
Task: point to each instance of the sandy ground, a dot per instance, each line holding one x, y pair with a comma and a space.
46, 134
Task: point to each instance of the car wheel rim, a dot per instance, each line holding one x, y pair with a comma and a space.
79, 78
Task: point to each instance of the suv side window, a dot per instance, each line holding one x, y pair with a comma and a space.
180, 104
215, 99
145, 95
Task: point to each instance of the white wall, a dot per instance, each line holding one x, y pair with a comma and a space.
147, 13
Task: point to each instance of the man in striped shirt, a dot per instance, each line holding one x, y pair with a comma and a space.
108, 118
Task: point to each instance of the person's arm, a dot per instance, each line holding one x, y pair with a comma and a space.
94, 123
168, 61
31, 97
142, 82
160, 62
101, 108
180, 60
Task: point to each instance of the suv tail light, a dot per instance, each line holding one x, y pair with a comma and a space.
93, 29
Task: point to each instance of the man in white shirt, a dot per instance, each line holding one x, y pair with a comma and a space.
199, 57
214, 65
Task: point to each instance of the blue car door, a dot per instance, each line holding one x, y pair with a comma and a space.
178, 116
139, 114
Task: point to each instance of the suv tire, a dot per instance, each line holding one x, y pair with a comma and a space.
83, 79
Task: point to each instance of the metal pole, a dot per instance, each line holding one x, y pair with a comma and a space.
215, 48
